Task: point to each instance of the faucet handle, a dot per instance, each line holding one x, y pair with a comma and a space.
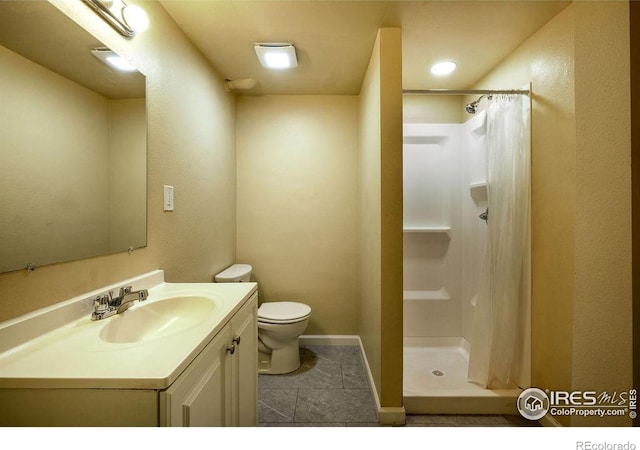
101, 302
102, 299
125, 290
102, 306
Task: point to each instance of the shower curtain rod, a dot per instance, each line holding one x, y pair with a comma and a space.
465, 91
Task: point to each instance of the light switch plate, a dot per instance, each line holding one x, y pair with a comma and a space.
168, 198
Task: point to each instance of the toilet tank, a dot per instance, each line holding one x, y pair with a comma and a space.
238, 273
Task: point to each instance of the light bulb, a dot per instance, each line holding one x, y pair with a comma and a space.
136, 18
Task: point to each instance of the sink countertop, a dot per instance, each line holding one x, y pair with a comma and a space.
75, 356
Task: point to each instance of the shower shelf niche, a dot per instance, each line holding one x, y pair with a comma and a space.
478, 187
438, 294
443, 230
478, 191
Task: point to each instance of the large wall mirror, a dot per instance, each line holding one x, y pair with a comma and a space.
73, 146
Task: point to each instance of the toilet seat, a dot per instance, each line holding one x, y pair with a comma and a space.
283, 312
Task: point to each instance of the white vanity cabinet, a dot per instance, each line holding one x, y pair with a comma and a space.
73, 373
219, 388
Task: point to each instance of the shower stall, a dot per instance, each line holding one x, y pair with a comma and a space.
467, 258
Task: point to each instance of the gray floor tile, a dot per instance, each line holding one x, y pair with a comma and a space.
300, 424
335, 354
418, 425
519, 421
327, 376
453, 420
335, 405
363, 424
276, 405
354, 376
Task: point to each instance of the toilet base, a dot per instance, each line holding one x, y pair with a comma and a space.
283, 360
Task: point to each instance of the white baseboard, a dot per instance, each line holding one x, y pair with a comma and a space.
386, 415
329, 339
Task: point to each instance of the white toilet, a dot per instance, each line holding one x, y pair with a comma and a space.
279, 326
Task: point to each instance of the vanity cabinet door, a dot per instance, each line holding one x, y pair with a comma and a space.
244, 393
220, 387
200, 397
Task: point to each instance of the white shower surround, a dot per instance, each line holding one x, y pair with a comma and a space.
444, 241
444, 187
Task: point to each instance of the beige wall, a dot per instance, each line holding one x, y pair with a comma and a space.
53, 179
370, 213
298, 203
381, 216
581, 260
191, 145
602, 334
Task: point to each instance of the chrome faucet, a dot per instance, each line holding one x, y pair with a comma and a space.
107, 305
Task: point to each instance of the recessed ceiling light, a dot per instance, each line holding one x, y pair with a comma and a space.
112, 59
277, 55
442, 68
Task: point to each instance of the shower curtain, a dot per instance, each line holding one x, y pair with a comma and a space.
500, 298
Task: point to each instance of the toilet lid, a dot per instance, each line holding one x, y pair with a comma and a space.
234, 273
283, 311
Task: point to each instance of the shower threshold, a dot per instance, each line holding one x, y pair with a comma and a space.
435, 381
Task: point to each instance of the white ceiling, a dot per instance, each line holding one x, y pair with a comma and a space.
334, 39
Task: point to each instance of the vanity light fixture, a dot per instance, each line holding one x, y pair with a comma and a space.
276, 55
126, 19
442, 68
111, 58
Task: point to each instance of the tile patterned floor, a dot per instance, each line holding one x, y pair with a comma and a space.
451, 420
331, 388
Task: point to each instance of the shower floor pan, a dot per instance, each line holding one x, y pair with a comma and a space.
435, 381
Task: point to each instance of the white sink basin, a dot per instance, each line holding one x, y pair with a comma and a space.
146, 321
144, 347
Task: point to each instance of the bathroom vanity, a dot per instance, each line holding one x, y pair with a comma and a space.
186, 356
